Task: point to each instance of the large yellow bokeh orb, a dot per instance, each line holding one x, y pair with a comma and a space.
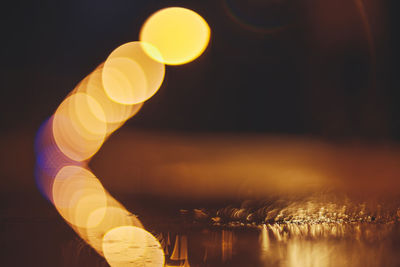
179, 34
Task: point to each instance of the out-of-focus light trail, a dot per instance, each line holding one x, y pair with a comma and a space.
99, 105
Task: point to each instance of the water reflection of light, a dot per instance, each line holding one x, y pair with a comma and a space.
264, 239
360, 245
305, 254
226, 245
179, 255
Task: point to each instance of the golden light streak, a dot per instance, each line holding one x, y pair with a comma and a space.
181, 35
100, 104
132, 246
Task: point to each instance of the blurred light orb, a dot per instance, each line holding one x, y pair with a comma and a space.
130, 76
115, 114
181, 35
77, 131
105, 219
132, 246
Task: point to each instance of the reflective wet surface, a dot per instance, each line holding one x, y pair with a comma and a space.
356, 225
287, 245
310, 231
299, 232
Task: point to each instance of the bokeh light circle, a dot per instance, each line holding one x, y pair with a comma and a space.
180, 34
115, 114
77, 131
76, 194
130, 76
102, 220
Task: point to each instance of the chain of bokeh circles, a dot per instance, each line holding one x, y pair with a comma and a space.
100, 104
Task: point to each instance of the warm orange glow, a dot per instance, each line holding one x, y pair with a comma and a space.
130, 76
76, 194
132, 246
181, 35
77, 131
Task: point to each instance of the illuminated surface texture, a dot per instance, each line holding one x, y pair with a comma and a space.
132, 246
130, 76
293, 246
180, 34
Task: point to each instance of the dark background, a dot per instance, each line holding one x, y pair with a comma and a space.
303, 67
321, 69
